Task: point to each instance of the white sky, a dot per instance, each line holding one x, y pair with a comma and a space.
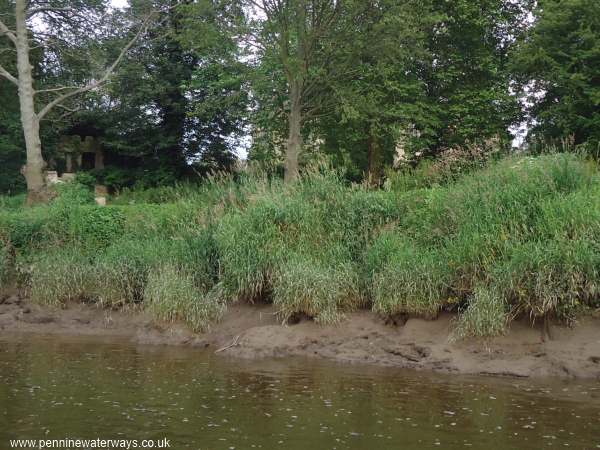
119, 3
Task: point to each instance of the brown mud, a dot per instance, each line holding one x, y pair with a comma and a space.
253, 331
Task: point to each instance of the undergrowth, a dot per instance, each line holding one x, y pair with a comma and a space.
518, 237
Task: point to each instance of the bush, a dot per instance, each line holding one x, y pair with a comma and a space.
24, 230
72, 194
86, 179
95, 226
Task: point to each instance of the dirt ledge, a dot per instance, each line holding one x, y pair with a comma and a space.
252, 331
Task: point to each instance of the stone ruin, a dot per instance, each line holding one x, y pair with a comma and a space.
80, 153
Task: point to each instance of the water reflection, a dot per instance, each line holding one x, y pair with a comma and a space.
55, 388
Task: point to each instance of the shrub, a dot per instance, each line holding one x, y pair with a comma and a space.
95, 226
86, 179
24, 230
72, 194
520, 236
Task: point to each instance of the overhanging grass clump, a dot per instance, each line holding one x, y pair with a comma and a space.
60, 277
172, 294
318, 290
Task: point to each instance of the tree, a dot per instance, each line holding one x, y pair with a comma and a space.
142, 114
418, 76
468, 75
11, 134
298, 34
378, 91
176, 107
57, 17
558, 70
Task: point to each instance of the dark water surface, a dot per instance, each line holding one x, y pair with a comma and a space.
56, 388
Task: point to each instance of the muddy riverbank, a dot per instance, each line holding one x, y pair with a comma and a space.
252, 332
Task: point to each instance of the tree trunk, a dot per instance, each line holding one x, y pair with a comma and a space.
34, 168
294, 141
374, 159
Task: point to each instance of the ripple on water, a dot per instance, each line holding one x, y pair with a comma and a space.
76, 388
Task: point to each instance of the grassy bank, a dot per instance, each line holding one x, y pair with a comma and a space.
520, 237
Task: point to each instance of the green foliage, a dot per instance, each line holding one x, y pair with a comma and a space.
60, 277
95, 226
516, 238
449, 165
486, 315
316, 231
73, 194
85, 179
12, 202
409, 281
24, 229
12, 154
468, 96
171, 294
504, 241
319, 290
377, 90
557, 66
121, 272
5, 264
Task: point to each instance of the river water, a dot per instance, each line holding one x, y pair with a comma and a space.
57, 388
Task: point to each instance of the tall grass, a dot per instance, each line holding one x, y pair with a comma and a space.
300, 246
519, 237
172, 294
5, 264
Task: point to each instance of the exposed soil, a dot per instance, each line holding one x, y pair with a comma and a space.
252, 331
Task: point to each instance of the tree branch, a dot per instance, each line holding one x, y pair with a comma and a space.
4, 30
34, 11
56, 89
107, 74
8, 76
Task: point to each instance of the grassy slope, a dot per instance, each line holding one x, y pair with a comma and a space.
519, 237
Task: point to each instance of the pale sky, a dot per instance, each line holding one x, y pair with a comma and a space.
119, 3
